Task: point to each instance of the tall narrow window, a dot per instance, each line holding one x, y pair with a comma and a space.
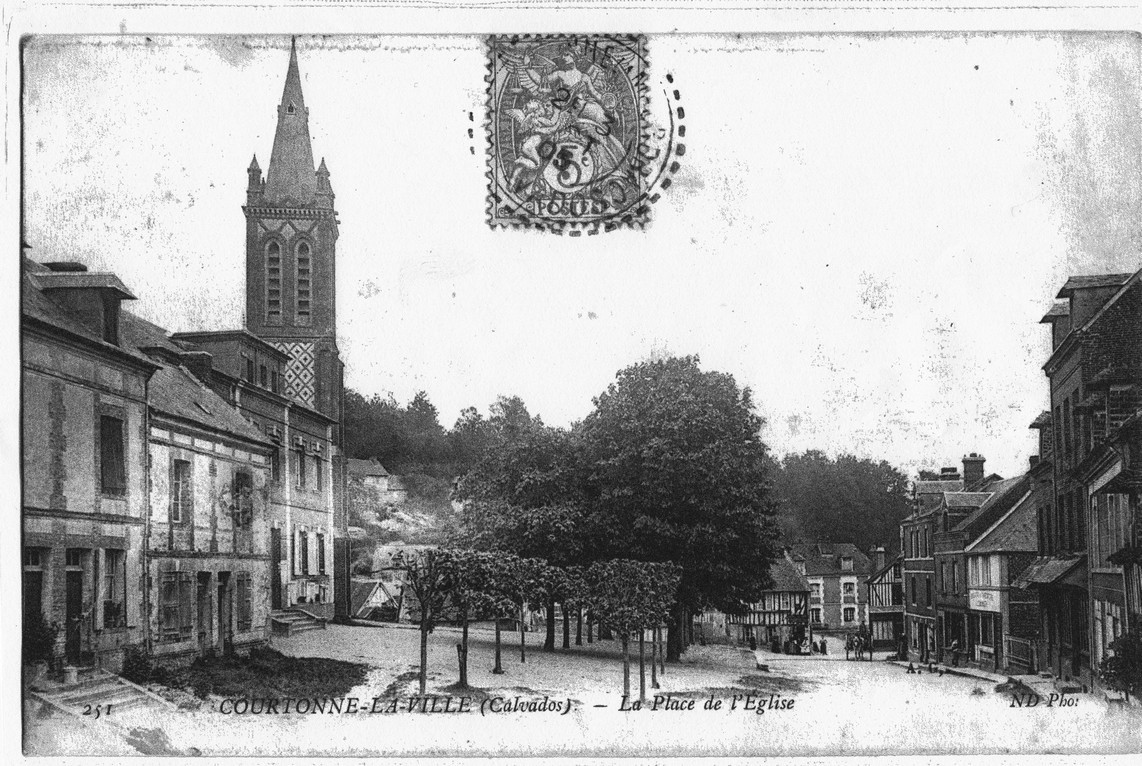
245, 602
273, 283
303, 550
181, 497
320, 553
299, 468
114, 588
113, 468
304, 274
243, 490
317, 473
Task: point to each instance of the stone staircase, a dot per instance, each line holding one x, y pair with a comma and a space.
97, 695
291, 622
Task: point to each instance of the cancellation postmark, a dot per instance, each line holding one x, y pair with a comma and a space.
571, 143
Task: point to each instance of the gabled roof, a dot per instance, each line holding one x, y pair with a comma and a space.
825, 558
1057, 311
898, 558
370, 467
937, 487
786, 577
1015, 532
965, 499
1043, 421
1004, 494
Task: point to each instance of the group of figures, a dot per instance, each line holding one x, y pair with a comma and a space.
858, 645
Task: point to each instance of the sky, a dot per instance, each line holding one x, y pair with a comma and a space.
865, 229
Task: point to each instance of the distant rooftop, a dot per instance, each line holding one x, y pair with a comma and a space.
1092, 281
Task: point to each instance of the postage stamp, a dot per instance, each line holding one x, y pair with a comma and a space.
567, 130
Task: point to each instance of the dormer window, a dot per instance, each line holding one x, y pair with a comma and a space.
846, 563
291, 109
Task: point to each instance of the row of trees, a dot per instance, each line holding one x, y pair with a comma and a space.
462, 585
669, 467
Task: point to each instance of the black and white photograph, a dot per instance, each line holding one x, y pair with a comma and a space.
584, 394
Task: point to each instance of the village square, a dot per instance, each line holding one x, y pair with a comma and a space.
227, 550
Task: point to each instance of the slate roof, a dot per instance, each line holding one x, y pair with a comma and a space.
1002, 496
786, 577
177, 393
825, 558
1088, 281
290, 178
1057, 311
370, 467
39, 307
1046, 570
1017, 532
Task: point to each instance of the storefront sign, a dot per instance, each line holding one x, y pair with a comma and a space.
984, 600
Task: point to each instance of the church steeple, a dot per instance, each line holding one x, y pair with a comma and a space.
291, 253
290, 178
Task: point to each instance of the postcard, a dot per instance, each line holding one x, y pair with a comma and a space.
575, 392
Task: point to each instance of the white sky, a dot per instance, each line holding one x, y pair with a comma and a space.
866, 229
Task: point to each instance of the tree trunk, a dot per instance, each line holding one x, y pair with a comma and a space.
654, 658
661, 650
590, 625
566, 628
462, 649
549, 632
579, 626
423, 658
522, 640
498, 669
642, 664
626, 668
674, 637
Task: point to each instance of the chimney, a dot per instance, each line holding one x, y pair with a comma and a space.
1034, 460
878, 553
973, 471
200, 364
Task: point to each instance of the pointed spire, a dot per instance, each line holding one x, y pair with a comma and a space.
254, 164
322, 170
290, 178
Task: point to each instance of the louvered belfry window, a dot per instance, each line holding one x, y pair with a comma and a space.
304, 284
273, 282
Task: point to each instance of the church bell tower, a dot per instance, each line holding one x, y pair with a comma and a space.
291, 242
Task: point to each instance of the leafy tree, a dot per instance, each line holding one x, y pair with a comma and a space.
631, 596
678, 472
471, 577
428, 575
525, 497
846, 499
1122, 669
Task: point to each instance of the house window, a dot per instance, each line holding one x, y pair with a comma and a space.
955, 577
304, 274
176, 605
32, 557
114, 588
181, 499
263, 376
33, 584
249, 370
276, 465
273, 282
846, 564
849, 588
317, 473
850, 614
912, 590
299, 468
816, 612
815, 590
244, 601
303, 550
74, 557
112, 466
243, 508
320, 553
927, 591
274, 383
